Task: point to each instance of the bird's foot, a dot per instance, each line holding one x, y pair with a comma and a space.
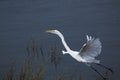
111, 70
104, 78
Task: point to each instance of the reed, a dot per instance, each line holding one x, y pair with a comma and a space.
36, 50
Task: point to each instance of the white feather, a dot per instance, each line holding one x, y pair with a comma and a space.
90, 49
88, 52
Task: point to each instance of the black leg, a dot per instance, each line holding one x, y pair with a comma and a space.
98, 72
105, 67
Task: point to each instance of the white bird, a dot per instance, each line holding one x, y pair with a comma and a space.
88, 52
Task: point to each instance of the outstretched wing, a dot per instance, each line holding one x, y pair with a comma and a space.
91, 48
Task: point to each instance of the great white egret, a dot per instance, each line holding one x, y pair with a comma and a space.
88, 52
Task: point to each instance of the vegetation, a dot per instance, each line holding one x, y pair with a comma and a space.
35, 54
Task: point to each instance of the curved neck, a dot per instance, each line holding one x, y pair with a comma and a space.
63, 41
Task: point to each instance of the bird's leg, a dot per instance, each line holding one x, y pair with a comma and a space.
98, 72
101, 65
64, 52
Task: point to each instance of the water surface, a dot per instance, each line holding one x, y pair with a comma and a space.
21, 20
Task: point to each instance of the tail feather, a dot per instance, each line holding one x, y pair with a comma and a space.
96, 61
93, 61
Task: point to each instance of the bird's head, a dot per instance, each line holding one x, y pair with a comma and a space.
52, 31
56, 32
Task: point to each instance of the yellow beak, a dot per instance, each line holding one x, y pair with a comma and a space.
49, 31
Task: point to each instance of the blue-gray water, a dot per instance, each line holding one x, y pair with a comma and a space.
21, 20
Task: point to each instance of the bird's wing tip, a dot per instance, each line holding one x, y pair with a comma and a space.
89, 37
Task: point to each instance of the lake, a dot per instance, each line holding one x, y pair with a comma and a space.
23, 20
